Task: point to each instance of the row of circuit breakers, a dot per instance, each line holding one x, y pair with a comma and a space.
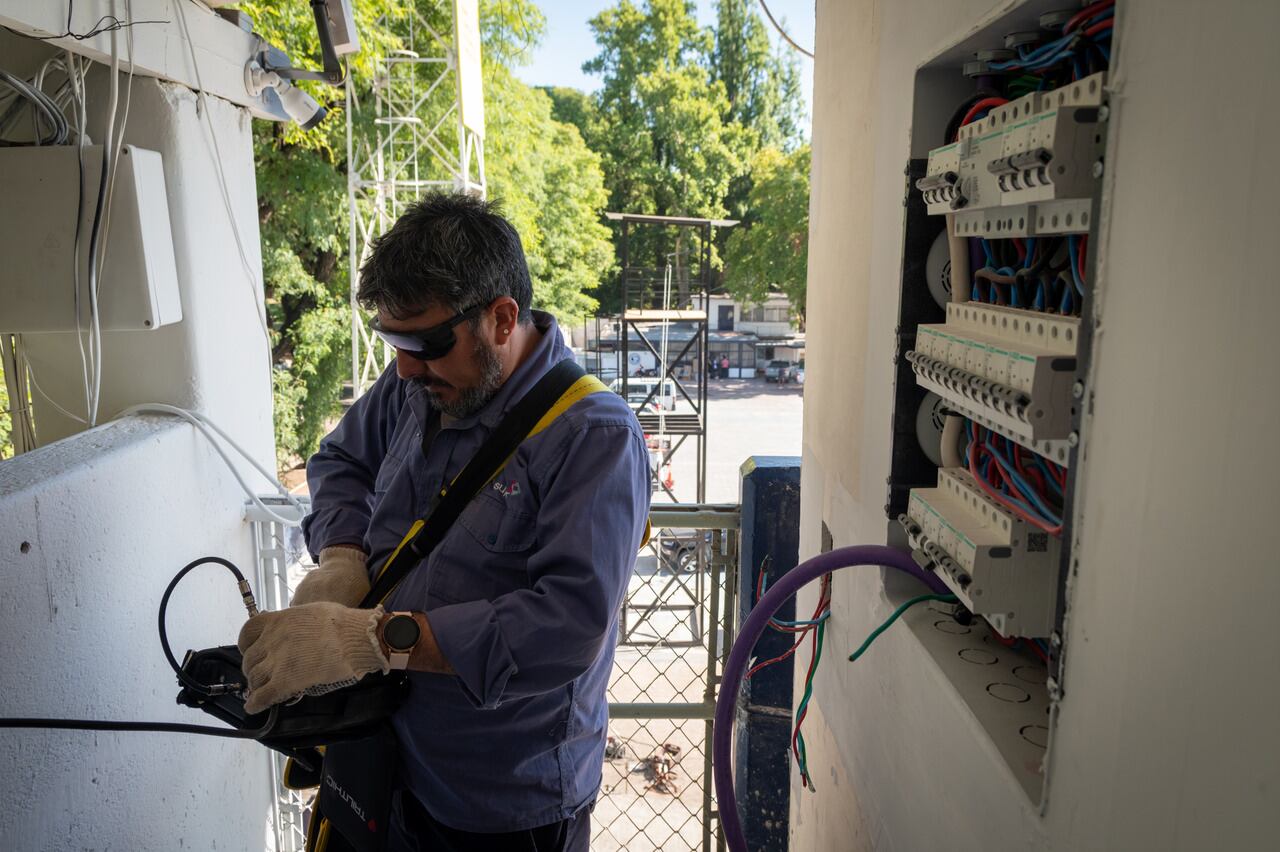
1028, 169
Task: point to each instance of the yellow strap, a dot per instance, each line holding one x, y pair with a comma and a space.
577, 391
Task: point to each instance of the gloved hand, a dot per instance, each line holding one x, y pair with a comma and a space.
341, 577
288, 652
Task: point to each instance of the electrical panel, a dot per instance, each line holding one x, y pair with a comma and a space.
138, 285
1004, 184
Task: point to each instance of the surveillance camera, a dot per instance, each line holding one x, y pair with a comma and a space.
296, 103
300, 106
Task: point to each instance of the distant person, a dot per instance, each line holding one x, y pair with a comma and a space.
724, 367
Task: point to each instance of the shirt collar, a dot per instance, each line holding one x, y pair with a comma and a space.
550, 351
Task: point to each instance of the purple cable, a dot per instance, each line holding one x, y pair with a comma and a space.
735, 667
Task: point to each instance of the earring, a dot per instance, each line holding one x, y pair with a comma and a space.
506, 331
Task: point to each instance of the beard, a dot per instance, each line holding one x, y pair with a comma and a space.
471, 399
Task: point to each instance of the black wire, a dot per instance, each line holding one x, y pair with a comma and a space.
112, 24
186, 679
155, 727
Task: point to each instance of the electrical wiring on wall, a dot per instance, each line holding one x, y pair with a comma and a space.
756, 622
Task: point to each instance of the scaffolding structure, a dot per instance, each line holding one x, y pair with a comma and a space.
411, 138
675, 313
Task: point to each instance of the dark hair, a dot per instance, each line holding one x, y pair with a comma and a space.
447, 249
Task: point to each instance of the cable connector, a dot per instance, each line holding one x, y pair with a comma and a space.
246, 594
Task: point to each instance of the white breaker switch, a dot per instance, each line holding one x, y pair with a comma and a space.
1025, 169
999, 566
1009, 366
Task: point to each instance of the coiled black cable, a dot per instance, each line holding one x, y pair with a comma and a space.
186, 680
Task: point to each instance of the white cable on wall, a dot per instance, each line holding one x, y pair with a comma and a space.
207, 428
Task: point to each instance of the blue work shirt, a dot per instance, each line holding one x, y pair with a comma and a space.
523, 594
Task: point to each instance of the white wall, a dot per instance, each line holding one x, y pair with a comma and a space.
93, 526
1166, 738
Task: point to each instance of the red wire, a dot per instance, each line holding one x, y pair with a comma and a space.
1022, 249
985, 103
1000, 498
824, 601
1030, 473
1100, 26
1087, 13
795, 734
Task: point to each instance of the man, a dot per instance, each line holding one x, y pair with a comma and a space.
503, 732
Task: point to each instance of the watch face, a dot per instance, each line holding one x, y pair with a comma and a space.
401, 632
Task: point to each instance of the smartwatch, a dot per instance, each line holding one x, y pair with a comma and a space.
400, 633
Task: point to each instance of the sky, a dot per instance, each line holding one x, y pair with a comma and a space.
568, 42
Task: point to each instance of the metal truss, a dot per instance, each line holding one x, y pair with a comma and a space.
410, 139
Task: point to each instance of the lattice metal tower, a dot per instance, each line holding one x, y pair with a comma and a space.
423, 130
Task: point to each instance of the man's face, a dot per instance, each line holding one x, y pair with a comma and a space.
462, 381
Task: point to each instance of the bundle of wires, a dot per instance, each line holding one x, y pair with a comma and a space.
1020, 480
1082, 49
815, 628
1042, 274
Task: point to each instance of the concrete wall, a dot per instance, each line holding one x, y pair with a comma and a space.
94, 528
1166, 738
94, 525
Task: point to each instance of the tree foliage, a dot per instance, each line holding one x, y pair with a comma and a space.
682, 114
549, 181
771, 252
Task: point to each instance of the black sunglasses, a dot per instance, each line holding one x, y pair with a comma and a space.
427, 344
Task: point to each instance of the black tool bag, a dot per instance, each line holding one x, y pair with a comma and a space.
356, 768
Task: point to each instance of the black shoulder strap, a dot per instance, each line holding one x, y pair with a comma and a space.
482, 467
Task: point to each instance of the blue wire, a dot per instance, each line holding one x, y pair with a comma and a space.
1048, 477
986, 248
1031, 250
1024, 486
1066, 305
1073, 254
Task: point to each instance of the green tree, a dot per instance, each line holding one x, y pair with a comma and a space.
762, 85
659, 125
550, 182
771, 252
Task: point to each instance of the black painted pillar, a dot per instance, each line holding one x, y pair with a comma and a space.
770, 534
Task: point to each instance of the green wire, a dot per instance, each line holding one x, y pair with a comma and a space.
803, 760
862, 649
802, 755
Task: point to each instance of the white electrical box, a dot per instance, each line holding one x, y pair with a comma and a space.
39, 196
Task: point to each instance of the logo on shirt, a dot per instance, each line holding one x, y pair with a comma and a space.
507, 489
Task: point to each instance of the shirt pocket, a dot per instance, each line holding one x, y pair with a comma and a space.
496, 526
486, 556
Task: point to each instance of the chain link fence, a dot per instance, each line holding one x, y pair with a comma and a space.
675, 631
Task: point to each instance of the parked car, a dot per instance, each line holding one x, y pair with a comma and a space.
638, 390
780, 372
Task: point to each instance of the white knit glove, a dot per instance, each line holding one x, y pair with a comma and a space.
304, 648
341, 577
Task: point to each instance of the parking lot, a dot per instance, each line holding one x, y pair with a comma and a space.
745, 417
